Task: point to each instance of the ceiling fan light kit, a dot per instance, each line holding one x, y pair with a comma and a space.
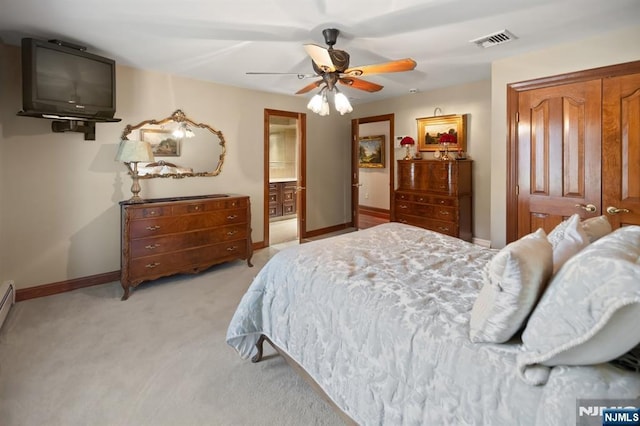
332, 66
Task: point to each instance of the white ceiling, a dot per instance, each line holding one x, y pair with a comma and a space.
220, 40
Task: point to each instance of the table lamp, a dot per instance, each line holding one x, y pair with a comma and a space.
131, 152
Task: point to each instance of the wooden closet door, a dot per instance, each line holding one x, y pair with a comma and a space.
558, 154
621, 149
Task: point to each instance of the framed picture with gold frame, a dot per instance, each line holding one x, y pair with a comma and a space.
430, 129
163, 143
371, 151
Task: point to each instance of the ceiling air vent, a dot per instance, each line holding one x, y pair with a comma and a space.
494, 39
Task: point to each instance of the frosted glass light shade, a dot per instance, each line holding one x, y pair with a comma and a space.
342, 103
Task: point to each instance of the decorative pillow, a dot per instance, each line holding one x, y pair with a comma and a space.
513, 281
567, 239
589, 313
596, 227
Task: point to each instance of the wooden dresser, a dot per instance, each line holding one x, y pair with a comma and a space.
167, 236
435, 195
282, 198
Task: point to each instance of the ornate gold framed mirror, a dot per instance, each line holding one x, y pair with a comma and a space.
181, 147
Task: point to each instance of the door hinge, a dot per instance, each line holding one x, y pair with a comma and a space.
517, 117
517, 189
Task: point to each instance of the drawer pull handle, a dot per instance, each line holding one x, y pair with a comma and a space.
151, 265
443, 228
441, 201
420, 199
444, 212
403, 221
152, 246
234, 232
403, 206
152, 213
232, 216
443, 186
153, 228
234, 248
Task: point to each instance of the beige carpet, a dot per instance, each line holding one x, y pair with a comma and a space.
283, 231
159, 358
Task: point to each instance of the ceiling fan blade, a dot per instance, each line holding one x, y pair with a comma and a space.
320, 56
309, 87
299, 75
356, 83
393, 66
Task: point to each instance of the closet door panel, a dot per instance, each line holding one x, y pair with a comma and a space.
558, 154
621, 149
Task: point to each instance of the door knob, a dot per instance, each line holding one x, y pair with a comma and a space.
589, 207
357, 184
615, 210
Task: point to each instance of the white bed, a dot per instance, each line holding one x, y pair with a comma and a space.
379, 319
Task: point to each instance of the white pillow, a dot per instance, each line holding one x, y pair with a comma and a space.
589, 313
567, 239
596, 227
513, 281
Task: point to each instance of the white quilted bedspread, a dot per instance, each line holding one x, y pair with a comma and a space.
379, 318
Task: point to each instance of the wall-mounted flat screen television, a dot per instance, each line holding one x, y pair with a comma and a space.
58, 80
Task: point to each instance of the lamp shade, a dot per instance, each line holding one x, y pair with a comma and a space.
134, 151
407, 140
447, 138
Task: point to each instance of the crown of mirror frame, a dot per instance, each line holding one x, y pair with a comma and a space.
196, 149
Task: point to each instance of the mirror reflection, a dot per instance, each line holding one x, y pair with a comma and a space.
181, 147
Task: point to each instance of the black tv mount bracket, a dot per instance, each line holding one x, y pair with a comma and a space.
67, 44
86, 127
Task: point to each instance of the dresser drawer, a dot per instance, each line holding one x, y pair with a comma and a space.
189, 260
449, 228
426, 198
177, 224
429, 210
174, 242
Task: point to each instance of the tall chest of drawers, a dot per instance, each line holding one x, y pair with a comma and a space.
167, 236
435, 195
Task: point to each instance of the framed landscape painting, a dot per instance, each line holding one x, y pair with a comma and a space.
163, 143
430, 130
371, 151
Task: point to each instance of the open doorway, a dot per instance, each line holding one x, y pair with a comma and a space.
284, 177
372, 184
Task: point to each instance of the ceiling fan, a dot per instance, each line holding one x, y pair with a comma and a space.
332, 66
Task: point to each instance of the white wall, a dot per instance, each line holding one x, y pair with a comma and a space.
374, 191
613, 48
59, 217
473, 99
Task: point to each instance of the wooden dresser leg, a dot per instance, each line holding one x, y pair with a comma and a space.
258, 357
125, 296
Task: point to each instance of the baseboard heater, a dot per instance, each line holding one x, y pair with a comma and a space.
8, 295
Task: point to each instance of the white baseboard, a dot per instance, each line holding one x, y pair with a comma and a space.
481, 242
